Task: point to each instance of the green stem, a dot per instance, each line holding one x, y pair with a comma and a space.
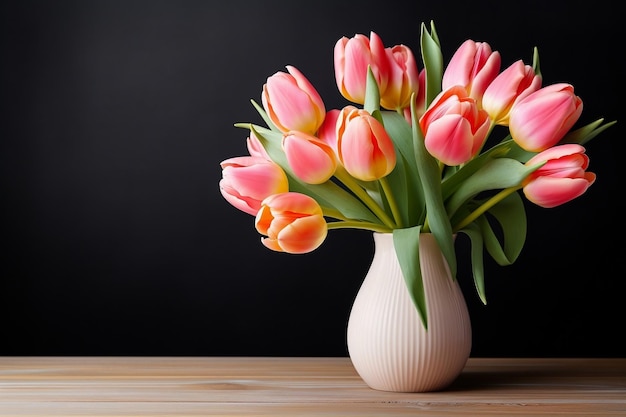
486, 206
355, 224
392, 201
342, 175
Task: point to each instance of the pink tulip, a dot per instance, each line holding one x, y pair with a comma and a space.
255, 148
403, 78
474, 66
510, 86
542, 118
292, 103
310, 159
561, 179
420, 99
454, 127
327, 132
248, 180
365, 148
292, 222
352, 58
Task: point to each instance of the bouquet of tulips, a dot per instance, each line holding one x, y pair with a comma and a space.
412, 152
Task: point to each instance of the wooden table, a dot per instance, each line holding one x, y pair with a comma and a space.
229, 386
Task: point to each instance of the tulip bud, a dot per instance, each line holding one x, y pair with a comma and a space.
561, 179
352, 58
474, 66
510, 86
365, 148
292, 103
403, 78
541, 119
454, 127
293, 223
310, 159
248, 180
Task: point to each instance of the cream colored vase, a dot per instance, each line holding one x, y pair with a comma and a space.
387, 343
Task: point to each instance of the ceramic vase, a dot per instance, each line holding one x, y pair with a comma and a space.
387, 343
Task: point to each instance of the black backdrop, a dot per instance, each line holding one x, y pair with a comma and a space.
116, 241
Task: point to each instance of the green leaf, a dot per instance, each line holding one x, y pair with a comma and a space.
406, 243
326, 194
433, 62
511, 216
453, 181
372, 93
437, 217
586, 133
536, 66
404, 179
264, 116
477, 258
496, 173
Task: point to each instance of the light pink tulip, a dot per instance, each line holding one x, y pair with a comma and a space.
541, 119
365, 148
292, 103
511, 85
248, 180
255, 148
474, 66
310, 159
454, 127
403, 78
352, 56
561, 179
293, 223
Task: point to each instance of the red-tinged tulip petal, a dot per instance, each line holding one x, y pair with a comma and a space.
247, 181
541, 119
292, 103
310, 159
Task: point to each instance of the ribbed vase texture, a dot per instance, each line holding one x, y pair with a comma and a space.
387, 343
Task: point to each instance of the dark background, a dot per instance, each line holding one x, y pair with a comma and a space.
116, 241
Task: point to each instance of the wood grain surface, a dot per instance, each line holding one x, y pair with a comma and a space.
243, 386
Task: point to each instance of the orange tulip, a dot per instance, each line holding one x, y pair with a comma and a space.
293, 223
